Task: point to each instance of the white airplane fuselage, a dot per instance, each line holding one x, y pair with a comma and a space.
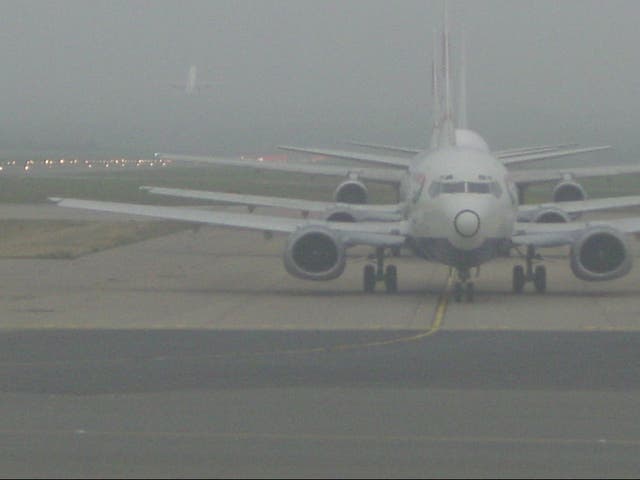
461, 206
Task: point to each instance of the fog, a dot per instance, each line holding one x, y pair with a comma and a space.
98, 75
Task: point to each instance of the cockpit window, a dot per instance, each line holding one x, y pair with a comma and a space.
496, 189
453, 187
486, 187
478, 187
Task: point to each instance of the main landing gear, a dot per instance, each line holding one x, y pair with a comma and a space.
522, 275
463, 287
378, 273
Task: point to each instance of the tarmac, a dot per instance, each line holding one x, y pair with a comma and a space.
196, 354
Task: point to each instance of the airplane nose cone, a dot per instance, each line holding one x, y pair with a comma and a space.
467, 223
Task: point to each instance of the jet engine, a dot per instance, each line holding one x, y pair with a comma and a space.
314, 253
550, 215
569, 190
600, 253
352, 191
346, 214
341, 216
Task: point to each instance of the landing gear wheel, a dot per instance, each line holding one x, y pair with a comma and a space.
391, 279
540, 279
457, 292
518, 279
469, 292
369, 278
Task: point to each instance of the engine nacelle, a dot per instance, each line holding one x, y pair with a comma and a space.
314, 253
550, 215
350, 215
352, 191
600, 253
341, 216
568, 191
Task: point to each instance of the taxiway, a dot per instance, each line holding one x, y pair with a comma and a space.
195, 354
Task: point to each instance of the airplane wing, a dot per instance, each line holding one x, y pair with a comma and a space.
389, 148
387, 160
392, 211
527, 212
519, 159
528, 177
515, 152
560, 234
384, 175
503, 154
378, 234
379, 175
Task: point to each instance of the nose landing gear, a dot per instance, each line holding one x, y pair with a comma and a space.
378, 273
463, 287
522, 275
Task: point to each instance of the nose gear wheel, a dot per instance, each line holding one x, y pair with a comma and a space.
463, 288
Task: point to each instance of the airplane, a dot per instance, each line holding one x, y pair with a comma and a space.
567, 188
353, 189
191, 86
394, 171
459, 207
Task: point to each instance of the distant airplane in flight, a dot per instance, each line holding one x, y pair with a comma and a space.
191, 86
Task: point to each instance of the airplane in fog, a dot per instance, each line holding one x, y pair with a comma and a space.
191, 86
458, 204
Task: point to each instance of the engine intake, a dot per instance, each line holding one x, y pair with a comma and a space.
551, 215
341, 216
600, 253
314, 253
352, 191
569, 191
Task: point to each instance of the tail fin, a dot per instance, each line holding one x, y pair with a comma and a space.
435, 93
444, 105
462, 94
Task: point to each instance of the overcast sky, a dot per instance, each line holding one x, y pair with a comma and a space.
99, 74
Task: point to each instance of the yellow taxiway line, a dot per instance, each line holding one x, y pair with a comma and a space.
436, 324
